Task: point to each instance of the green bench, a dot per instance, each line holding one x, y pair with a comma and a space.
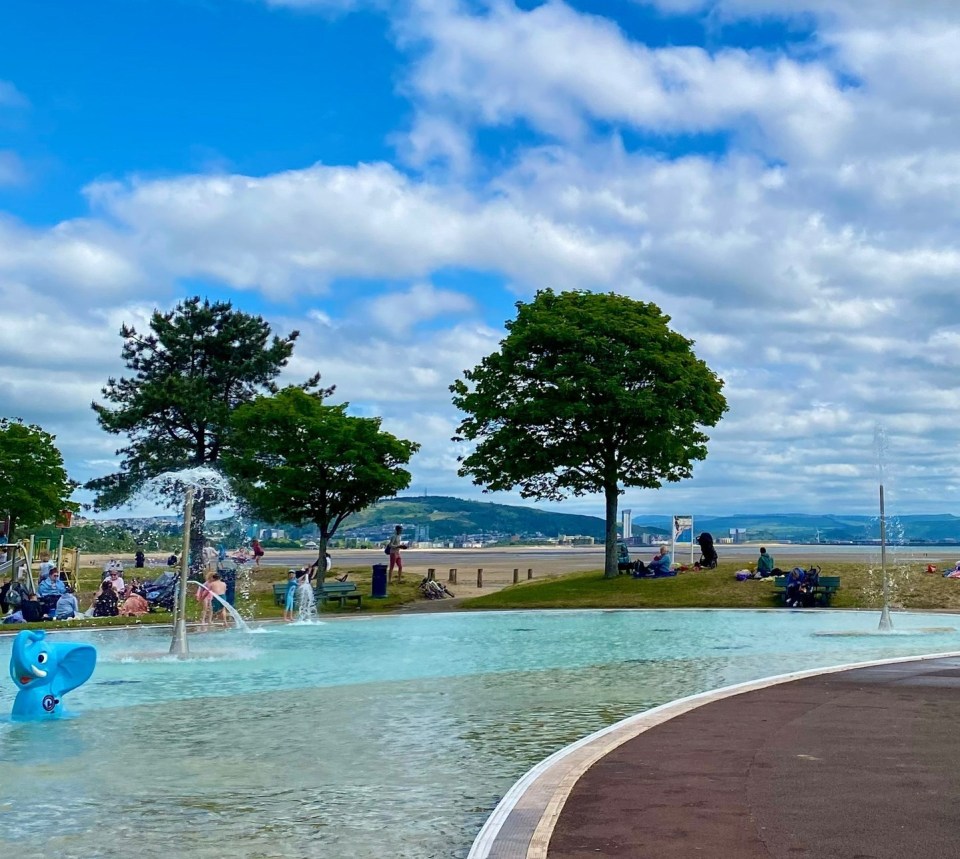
826, 587
341, 592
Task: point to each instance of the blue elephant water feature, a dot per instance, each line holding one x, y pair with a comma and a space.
44, 672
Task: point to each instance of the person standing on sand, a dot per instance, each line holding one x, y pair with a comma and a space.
395, 545
257, 551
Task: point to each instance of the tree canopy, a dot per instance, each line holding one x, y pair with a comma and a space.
295, 459
588, 393
195, 365
34, 486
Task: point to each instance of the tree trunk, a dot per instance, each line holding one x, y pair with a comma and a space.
611, 496
322, 559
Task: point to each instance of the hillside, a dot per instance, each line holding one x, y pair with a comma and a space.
452, 517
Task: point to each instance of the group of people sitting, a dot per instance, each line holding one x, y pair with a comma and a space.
55, 599
661, 565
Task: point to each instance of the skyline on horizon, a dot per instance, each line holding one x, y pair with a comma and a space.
779, 176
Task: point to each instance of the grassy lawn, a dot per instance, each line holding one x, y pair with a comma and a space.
260, 605
860, 588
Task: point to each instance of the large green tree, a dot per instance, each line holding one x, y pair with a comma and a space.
295, 459
588, 393
34, 486
194, 366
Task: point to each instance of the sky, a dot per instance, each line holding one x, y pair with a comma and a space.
389, 177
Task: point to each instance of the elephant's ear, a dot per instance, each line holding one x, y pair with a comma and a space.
75, 664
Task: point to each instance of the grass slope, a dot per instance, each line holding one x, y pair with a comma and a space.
860, 588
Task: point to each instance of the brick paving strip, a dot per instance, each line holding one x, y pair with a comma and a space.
850, 762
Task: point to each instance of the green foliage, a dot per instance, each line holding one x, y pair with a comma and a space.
589, 393
295, 459
198, 363
34, 486
115, 539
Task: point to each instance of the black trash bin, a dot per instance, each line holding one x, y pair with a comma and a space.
379, 589
228, 574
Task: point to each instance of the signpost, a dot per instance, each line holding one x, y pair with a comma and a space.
681, 524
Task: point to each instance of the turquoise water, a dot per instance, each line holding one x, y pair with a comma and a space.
367, 737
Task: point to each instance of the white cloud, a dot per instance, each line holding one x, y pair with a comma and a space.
560, 70
400, 311
300, 229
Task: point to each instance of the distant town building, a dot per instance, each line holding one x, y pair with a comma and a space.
738, 535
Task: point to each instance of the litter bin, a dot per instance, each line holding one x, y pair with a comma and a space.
228, 573
379, 589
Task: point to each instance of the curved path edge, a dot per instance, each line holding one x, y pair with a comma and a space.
523, 821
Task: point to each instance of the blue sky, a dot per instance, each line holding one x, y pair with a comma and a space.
390, 178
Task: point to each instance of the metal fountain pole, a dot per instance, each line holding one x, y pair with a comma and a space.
885, 623
178, 645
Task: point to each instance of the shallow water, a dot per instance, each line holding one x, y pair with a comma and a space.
367, 737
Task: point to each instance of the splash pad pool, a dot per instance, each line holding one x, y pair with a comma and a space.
367, 737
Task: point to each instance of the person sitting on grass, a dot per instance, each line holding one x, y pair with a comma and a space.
659, 566
50, 590
105, 600
765, 564
133, 604
31, 609
67, 606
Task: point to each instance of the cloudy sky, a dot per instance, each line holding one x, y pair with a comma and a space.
391, 176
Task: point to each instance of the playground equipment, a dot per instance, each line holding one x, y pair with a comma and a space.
44, 673
23, 555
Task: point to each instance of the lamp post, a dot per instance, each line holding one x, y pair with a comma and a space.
178, 645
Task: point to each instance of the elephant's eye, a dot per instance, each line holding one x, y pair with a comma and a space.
41, 658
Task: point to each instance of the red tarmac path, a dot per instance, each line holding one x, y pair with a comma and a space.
859, 764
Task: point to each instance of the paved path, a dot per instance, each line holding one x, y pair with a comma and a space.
860, 764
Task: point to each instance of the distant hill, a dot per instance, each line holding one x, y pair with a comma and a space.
452, 517
825, 528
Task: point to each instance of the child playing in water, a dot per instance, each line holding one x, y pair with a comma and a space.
205, 596
291, 593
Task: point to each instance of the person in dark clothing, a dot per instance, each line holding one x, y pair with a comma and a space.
106, 601
139, 559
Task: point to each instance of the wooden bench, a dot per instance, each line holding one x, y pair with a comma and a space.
341, 592
826, 587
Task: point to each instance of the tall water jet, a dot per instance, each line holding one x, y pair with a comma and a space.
178, 644
213, 486
885, 623
306, 602
880, 442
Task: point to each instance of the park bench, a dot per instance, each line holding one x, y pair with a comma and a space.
341, 592
826, 587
